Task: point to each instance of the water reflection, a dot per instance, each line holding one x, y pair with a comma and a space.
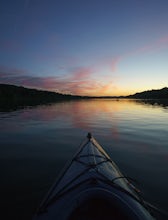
154, 102
13, 106
78, 114
108, 116
37, 141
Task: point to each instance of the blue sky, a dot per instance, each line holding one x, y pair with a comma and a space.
91, 47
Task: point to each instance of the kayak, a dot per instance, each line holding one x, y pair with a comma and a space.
92, 187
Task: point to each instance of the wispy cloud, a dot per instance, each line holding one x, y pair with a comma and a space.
152, 46
81, 73
114, 63
158, 44
80, 81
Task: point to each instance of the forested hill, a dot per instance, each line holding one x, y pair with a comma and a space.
20, 94
151, 94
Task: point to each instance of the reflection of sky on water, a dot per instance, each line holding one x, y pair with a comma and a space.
117, 116
131, 125
37, 142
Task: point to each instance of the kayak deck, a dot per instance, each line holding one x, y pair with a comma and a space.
92, 187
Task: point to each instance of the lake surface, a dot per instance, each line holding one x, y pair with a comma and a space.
36, 142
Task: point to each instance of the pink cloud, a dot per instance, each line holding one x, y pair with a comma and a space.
81, 73
152, 46
163, 40
155, 45
114, 63
79, 82
14, 76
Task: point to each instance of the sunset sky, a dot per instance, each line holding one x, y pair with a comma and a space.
85, 47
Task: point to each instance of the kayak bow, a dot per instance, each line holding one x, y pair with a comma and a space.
92, 187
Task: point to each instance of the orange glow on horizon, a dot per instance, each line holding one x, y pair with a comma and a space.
106, 90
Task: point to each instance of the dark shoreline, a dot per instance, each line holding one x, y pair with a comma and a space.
16, 97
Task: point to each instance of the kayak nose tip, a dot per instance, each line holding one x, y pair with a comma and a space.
89, 135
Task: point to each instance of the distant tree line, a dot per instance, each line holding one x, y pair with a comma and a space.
17, 95
12, 96
151, 94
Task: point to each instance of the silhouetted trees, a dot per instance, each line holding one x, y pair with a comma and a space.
11, 95
151, 94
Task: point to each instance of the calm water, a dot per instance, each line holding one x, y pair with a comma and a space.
35, 143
